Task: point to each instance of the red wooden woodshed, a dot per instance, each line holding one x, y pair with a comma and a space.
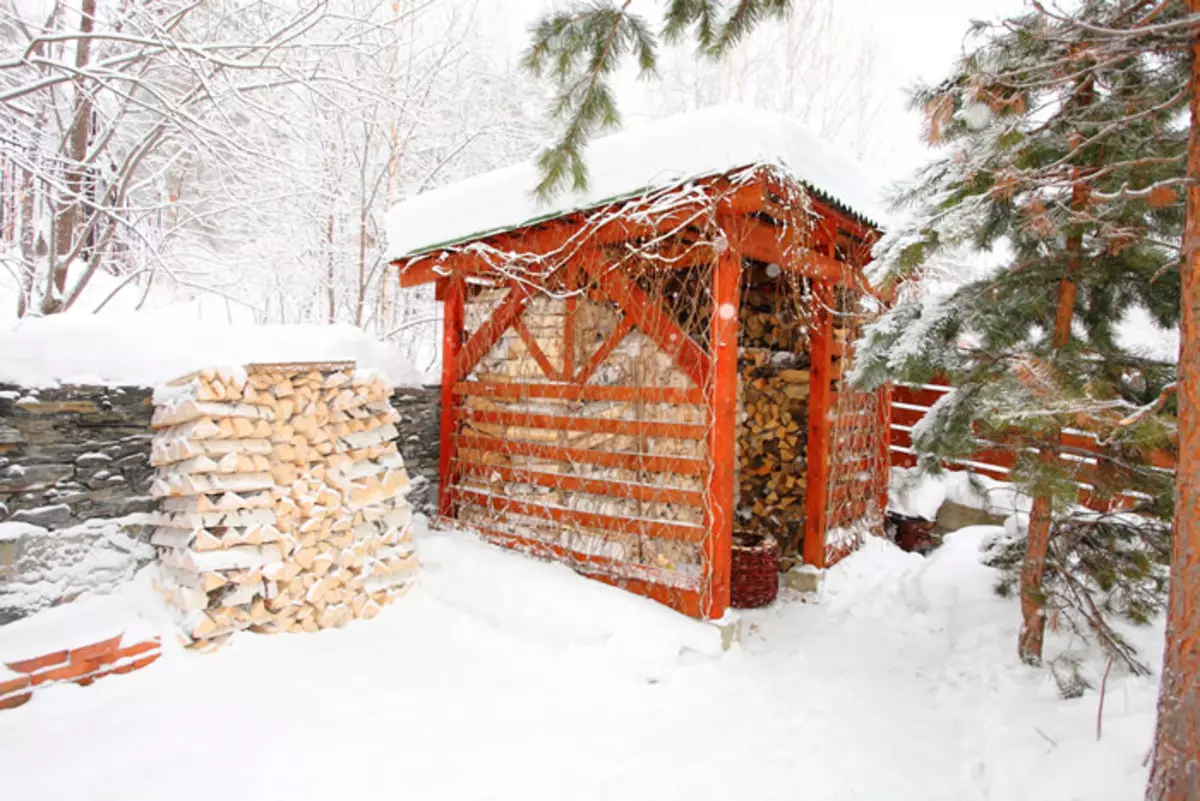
635, 374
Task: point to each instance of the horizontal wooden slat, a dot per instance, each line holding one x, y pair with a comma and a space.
627, 461
917, 396
596, 425
576, 392
686, 600
593, 486
903, 416
558, 514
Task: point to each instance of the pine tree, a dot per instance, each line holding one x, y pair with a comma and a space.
581, 46
1063, 156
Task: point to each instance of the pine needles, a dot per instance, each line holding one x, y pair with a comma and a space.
580, 48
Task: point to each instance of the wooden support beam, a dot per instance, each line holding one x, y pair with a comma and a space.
681, 532
653, 321
452, 331
490, 332
623, 329
575, 483
819, 410
722, 432
626, 461
535, 350
575, 392
595, 425
572, 302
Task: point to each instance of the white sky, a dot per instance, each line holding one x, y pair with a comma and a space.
916, 39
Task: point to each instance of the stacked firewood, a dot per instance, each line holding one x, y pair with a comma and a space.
281, 499
774, 380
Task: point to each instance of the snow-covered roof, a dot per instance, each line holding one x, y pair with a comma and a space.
711, 141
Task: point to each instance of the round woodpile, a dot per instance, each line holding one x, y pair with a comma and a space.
754, 579
281, 499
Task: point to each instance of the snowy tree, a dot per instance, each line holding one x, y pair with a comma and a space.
1063, 158
104, 105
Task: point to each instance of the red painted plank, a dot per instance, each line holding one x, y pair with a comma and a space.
452, 329
490, 332
625, 461
722, 431
650, 318
617, 525
535, 350
686, 601
574, 483
820, 334
573, 392
597, 425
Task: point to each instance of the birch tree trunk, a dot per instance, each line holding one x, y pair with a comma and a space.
1175, 772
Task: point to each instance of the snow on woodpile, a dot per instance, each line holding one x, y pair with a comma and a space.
661, 154
282, 499
148, 349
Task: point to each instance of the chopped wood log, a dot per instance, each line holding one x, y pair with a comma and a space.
281, 499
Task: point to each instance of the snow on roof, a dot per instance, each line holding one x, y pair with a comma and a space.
711, 141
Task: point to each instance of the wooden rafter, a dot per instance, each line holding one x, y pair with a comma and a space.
567, 236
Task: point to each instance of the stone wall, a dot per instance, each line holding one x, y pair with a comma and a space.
73, 453
70, 454
72, 458
420, 437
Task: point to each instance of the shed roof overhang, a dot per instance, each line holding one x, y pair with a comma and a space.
750, 206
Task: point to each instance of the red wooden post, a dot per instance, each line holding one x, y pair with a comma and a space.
568, 359
452, 332
722, 431
820, 339
885, 446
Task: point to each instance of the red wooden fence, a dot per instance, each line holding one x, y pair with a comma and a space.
911, 402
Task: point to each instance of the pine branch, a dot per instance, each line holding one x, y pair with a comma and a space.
580, 49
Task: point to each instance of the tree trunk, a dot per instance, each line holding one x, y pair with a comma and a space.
330, 277
67, 210
1175, 771
1037, 541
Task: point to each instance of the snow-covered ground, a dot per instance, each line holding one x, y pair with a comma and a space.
503, 677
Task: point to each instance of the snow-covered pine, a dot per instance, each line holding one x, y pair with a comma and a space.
301, 526
1040, 226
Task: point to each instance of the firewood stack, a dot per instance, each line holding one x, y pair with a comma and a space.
282, 501
774, 381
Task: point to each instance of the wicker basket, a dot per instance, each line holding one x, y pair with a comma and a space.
755, 570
